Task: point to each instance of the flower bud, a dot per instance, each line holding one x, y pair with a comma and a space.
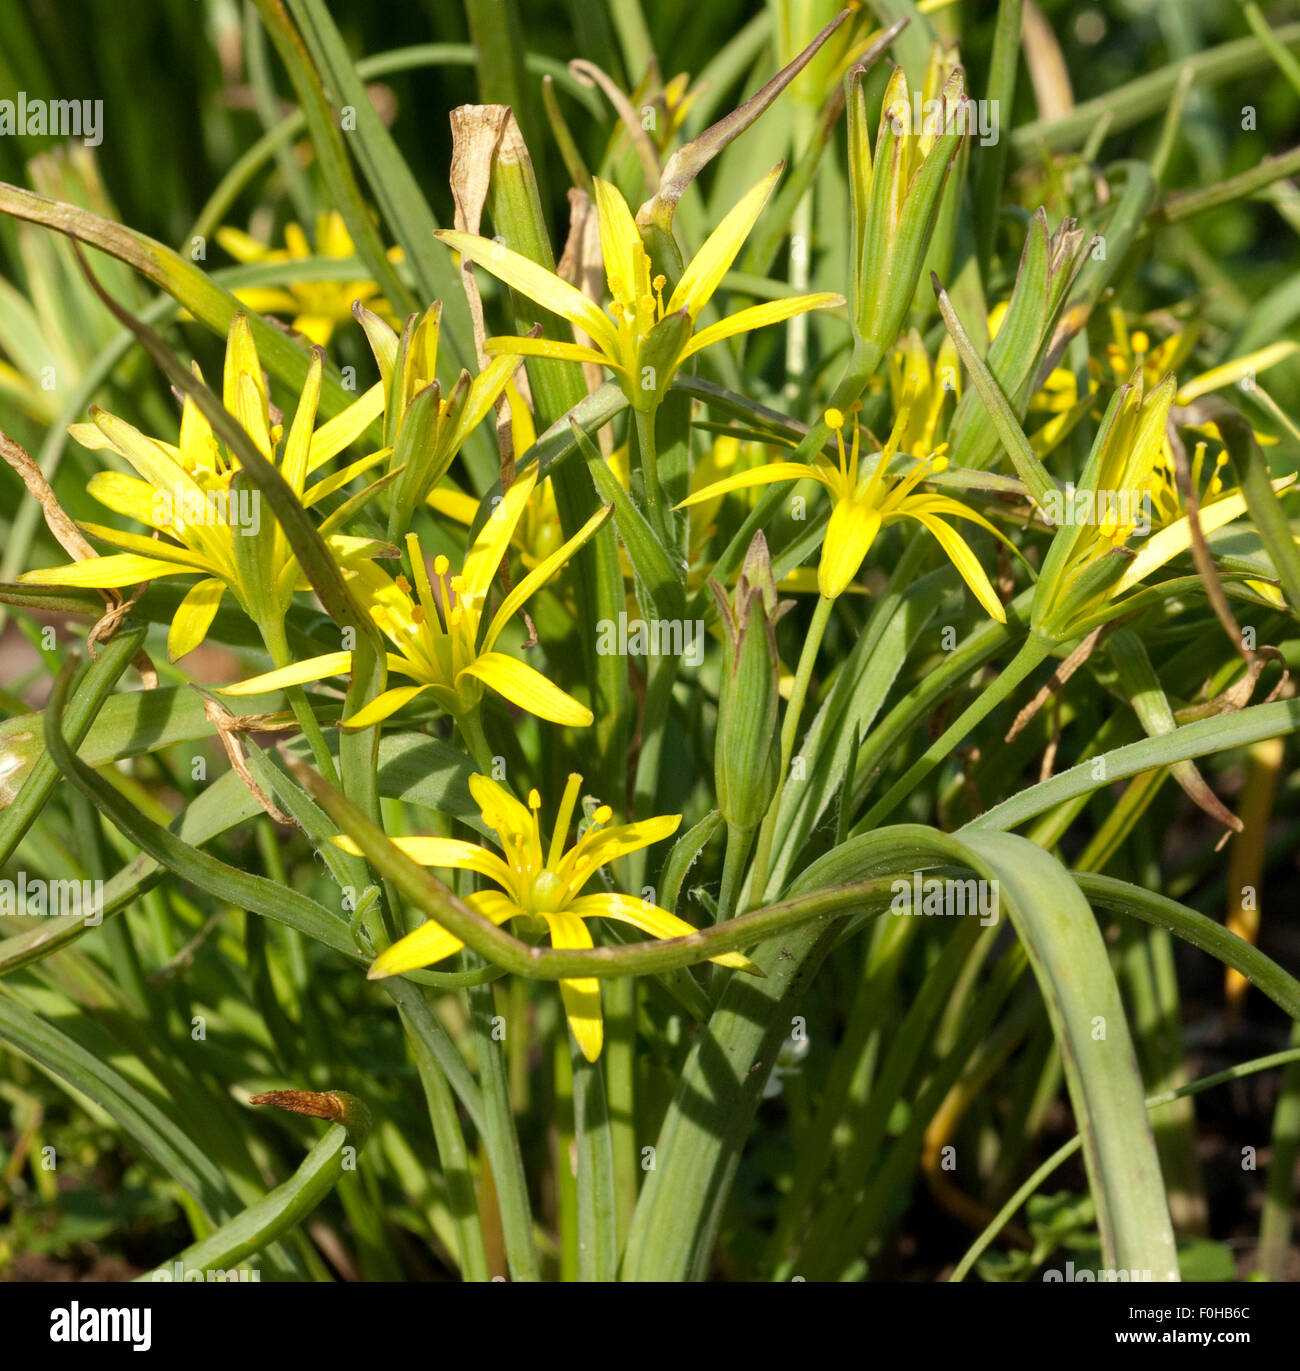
747, 756
898, 192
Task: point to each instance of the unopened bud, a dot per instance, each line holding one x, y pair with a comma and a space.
747, 757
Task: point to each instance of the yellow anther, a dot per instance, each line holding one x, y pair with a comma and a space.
403, 584
835, 419
939, 464
440, 565
659, 282
1140, 342
534, 800
603, 815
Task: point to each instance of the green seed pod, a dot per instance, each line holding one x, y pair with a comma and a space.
747, 755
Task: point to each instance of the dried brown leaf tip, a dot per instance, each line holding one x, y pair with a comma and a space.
335, 1105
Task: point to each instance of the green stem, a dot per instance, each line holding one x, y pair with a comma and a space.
654, 495
1146, 96
619, 1063
453, 1156
660, 679
1032, 653
597, 1222
282, 1210
502, 1139
789, 731
277, 644
739, 843
472, 735
565, 1148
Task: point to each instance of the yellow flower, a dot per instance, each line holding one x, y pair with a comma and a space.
640, 338
436, 637
922, 390
541, 884
207, 524
317, 307
1134, 350
1131, 474
864, 502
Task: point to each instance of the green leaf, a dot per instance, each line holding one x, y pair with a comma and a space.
1220, 733
283, 1208
332, 154
93, 689
155, 1131
391, 182
256, 894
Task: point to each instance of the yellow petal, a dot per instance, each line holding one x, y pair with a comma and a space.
346, 427
483, 392
707, 268
756, 476
155, 549
242, 360
626, 264
252, 414
529, 689
540, 574
759, 316
316, 328
297, 448
443, 852
90, 436
545, 347
1175, 538
494, 537
197, 441
129, 496
604, 845
508, 817
338, 479
849, 534
243, 247
148, 458
538, 284
99, 572
313, 669
960, 555
431, 943
383, 705
455, 504
581, 997
266, 300
649, 918
1228, 373
194, 617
